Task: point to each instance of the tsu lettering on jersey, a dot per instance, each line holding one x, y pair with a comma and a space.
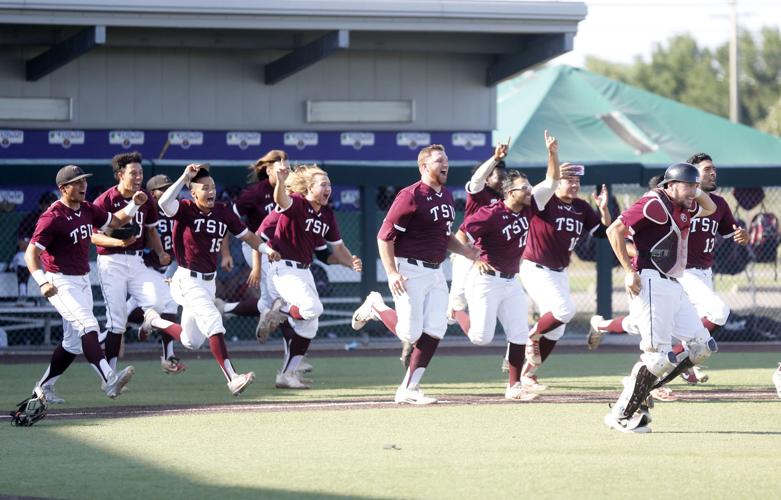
702, 235
111, 201
500, 235
65, 234
198, 236
420, 223
556, 229
255, 203
300, 230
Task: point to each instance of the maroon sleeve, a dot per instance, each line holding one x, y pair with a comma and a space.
593, 219
244, 204
235, 226
727, 221
475, 224
45, 231
268, 226
398, 216
151, 211
99, 216
333, 235
635, 217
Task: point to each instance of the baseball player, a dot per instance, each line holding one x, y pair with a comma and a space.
413, 241
499, 232
156, 186
659, 222
697, 279
483, 188
58, 260
553, 234
254, 204
121, 267
199, 229
305, 220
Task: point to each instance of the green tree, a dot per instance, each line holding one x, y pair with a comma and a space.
699, 77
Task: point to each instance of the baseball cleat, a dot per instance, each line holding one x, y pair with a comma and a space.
49, 394
531, 384
289, 380
269, 320
694, 376
637, 424
412, 395
406, 354
594, 336
518, 393
664, 394
114, 386
777, 380
365, 311
172, 365
304, 367
240, 382
532, 352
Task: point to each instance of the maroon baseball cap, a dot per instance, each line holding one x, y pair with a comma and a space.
70, 173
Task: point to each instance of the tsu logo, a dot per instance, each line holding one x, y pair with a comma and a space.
683, 217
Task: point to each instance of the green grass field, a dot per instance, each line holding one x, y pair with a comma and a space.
719, 448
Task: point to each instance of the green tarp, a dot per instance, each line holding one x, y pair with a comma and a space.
599, 120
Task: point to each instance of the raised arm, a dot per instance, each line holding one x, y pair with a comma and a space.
168, 201
707, 205
281, 198
477, 181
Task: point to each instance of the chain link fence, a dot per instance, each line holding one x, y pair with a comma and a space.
745, 277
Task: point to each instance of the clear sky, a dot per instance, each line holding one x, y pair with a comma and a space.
618, 30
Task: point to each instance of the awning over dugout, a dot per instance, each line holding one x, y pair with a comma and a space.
598, 120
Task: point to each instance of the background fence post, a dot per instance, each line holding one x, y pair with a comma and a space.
369, 229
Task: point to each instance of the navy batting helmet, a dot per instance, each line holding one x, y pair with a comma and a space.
680, 172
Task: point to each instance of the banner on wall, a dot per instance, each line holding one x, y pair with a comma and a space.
240, 145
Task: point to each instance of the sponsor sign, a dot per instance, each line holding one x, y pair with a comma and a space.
242, 140
66, 138
413, 140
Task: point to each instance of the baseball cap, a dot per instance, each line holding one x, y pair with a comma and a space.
70, 173
160, 181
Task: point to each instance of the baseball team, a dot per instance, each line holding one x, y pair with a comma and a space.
515, 241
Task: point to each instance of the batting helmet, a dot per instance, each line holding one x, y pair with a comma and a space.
680, 172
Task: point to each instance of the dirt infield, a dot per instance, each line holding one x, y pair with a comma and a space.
356, 404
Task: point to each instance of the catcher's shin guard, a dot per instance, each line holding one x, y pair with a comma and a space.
682, 367
644, 381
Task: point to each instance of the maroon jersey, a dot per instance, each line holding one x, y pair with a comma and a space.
702, 235
268, 226
556, 229
475, 201
65, 234
419, 222
165, 228
198, 236
300, 230
111, 201
500, 234
255, 202
649, 224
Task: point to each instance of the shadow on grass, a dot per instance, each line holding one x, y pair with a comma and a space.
747, 433
71, 468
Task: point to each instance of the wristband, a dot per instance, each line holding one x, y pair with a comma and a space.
40, 277
130, 209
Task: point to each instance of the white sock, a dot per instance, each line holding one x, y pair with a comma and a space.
416, 376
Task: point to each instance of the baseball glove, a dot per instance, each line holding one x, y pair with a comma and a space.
30, 411
124, 232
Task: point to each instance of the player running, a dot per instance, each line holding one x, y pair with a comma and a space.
58, 260
200, 226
